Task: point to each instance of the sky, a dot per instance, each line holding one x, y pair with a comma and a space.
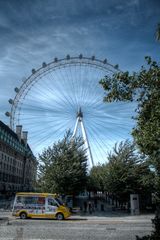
34, 31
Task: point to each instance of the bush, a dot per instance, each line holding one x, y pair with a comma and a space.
155, 234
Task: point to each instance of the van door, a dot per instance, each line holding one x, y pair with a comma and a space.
36, 206
51, 207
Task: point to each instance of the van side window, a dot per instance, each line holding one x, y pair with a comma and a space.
51, 202
30, 200
40, 200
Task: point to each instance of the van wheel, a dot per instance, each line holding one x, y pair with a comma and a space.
23, 215
59, 216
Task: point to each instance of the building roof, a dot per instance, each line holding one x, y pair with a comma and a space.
9, 130
14, 135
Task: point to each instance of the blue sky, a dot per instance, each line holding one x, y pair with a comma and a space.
34, 31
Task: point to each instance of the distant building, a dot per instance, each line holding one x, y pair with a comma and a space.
18, 165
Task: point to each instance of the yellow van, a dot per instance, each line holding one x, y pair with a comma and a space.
39, 205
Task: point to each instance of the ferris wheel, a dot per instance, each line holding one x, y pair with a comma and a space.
65, 94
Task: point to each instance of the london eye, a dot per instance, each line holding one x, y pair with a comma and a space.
65, 94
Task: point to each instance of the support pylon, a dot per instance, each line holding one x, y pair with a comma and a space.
79, 123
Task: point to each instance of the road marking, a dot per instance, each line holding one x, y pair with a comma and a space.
32, 238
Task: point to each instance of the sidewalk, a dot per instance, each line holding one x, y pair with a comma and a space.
5, 216
114, 218
110, 216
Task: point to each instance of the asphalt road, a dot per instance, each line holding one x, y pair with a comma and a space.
77, 228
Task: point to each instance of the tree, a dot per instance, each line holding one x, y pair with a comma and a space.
127, 173
143, 87
96, 178
155, 235
63, 167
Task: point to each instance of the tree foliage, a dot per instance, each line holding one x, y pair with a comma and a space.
125, 172
128, 172
63, 167
96, 178
155, 235
143, 87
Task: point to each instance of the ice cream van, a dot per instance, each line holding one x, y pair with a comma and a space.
39, 205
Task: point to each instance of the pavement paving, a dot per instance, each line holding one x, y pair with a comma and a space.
100, 226
100, 216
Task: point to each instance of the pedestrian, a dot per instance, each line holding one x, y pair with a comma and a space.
95, 203
85, 206
90, 207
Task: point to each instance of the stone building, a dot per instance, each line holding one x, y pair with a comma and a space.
18, 165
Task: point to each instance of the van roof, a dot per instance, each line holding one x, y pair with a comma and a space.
36, 194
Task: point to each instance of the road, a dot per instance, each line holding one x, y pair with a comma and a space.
76, 228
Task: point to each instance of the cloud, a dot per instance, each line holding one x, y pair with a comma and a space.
32, 32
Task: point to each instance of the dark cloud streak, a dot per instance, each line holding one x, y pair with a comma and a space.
34, 31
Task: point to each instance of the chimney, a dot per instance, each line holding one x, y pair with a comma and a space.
19, 131
24, 137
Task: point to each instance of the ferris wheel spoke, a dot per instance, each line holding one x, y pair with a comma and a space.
111, 122
60, 91
94, 128
74, 80
78, 84
70, 90
43, 98
44, 135
95, 145
49, 92
86, 90
92, 86
73, 87
37, 112
50, 124
103, 144
65, 96
43, 90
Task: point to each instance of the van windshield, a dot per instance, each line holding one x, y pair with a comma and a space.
59, 201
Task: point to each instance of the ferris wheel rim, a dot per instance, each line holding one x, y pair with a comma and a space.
51, 66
